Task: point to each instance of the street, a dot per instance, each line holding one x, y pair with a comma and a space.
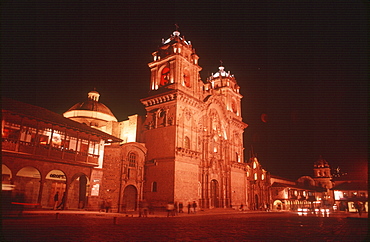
262, 226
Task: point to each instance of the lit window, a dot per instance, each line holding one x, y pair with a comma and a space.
254, 165
263, 177
132, 159
255, 176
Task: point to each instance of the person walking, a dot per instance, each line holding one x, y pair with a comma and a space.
194, 206
56, 199
189, 207
181, 207
63, 201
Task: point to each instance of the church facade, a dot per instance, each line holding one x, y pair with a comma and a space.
193, 131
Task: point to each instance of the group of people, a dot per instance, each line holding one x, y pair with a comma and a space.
175, 208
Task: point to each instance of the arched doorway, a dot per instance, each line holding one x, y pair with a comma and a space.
215, 195
27, 185
78, 192
129, 198
277, 205
55, 182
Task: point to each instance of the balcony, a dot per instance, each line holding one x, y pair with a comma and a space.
45, 151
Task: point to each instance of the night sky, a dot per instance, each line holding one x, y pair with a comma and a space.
302, 67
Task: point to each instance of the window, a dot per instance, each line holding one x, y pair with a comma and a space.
11, 131
154, 186
187, 142
132, 159
28, 134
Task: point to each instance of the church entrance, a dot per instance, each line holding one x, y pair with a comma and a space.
215, 195
130, 198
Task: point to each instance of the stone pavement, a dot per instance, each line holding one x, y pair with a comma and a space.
208, 225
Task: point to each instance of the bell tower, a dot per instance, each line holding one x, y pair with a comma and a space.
175, 66
175, 98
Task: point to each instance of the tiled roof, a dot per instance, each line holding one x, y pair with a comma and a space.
346, 186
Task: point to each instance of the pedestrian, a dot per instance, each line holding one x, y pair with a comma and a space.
108, 205
194, 206
170, 208
241, 208
267, 207
63, 201
56, 199
181, 207
358, 206
189, 207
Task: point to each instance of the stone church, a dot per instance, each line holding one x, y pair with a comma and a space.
193, 131
190, 145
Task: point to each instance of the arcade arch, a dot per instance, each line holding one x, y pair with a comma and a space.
55, 181
78, 191
27, 184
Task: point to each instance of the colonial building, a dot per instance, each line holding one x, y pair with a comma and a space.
193, 131
258, 186
44, 153
350, 194
305, 193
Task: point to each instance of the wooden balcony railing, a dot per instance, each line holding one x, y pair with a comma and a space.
56, 153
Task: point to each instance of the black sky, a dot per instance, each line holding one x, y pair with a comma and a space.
304, 65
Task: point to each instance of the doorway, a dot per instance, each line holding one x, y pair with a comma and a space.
215, 194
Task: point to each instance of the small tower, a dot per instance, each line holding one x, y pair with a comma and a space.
322, 174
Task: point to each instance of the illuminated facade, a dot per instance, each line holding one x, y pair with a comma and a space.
349, 193
189, 147
258, 186
96, 115
193, 131
119, 181
44, 153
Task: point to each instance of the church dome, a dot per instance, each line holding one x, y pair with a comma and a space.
91, 105
221, 73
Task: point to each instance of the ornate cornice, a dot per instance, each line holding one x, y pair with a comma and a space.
159, 98
187, 152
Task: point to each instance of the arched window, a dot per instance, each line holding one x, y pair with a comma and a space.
154, 186
187, 142
132, 159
